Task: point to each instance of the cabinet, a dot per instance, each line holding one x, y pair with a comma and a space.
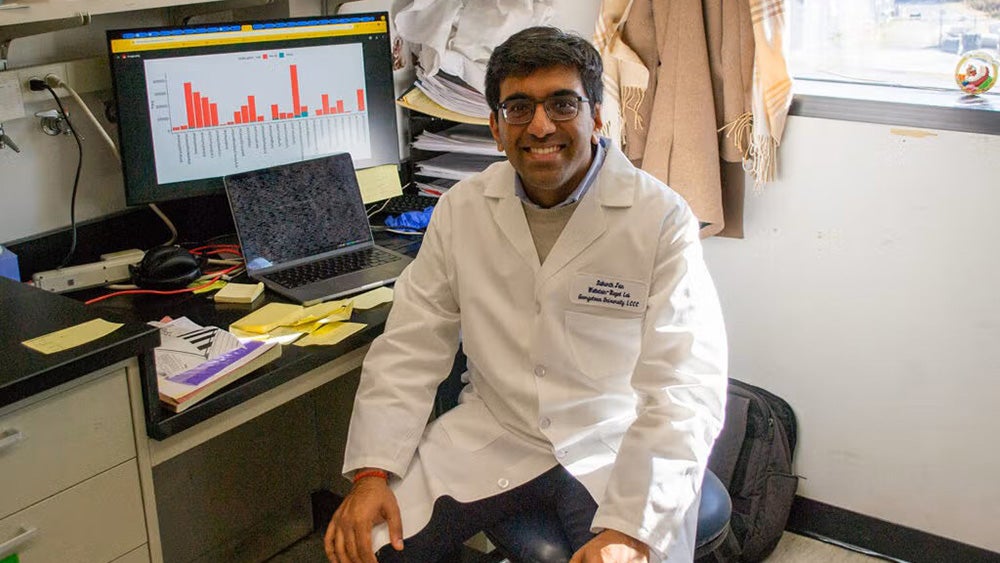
467, 142
71, 488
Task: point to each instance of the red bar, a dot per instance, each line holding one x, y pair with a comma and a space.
183, 127
361, 99
245, 114
275, 114
260, 118
326, 104
340, 106
176, 129
237, 117
189, 103
252, 108
294, 70
206, 112
196, 101
305, 110
214, 108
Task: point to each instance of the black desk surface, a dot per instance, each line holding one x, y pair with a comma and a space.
162, 423
294, 361
27, 312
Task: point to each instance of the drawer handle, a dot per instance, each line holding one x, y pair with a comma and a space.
12, 437
12, 546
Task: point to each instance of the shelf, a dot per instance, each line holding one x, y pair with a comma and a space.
35, 11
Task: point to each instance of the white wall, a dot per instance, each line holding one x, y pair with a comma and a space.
864, 293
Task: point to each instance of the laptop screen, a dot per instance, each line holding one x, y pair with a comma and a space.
297, 211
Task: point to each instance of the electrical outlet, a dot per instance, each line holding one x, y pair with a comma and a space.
83, 75
27, 73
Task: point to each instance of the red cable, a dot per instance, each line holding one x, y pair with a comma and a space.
217, 249
163, 291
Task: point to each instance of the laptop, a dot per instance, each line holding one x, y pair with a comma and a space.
305, 232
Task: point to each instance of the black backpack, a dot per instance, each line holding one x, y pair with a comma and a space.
753, 459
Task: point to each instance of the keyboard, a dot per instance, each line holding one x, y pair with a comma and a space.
332, 267
408, 202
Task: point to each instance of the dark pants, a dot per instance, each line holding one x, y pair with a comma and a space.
453, 522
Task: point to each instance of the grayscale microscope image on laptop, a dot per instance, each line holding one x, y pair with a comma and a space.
305, 233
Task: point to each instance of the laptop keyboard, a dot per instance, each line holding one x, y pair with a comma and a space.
332, 267
408, 202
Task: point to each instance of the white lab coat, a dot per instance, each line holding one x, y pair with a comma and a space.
627, 392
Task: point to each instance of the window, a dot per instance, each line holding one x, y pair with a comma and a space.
838, 46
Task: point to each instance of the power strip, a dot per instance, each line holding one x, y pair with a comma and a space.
112, 268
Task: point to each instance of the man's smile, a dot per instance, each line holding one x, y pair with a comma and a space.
541, 151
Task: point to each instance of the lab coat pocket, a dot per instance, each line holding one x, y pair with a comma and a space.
470, 426
603, 346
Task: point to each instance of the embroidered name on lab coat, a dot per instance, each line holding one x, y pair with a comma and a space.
611, 293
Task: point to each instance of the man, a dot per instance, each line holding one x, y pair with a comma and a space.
595, 344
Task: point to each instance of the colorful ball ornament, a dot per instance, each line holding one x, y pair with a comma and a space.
976, 72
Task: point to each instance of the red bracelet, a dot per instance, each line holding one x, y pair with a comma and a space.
370, 473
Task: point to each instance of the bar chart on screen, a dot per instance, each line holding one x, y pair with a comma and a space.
245, 111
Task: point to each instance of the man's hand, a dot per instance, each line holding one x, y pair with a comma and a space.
349, 536
612, 546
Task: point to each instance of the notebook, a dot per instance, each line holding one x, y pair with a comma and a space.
305, 233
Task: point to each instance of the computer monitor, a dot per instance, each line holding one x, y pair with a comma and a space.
197, 103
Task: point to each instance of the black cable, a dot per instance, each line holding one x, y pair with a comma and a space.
76, 179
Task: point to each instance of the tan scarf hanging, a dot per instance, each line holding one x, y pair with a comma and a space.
697, 126
758, 133
625, 76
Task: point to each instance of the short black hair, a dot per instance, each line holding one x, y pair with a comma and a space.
542, 47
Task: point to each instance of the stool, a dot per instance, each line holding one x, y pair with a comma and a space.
537, 537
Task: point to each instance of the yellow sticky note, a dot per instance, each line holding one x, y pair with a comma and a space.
72, 337
269, 317
281, 335
331, 333
373, 298
324, 310
239, 293
379, 182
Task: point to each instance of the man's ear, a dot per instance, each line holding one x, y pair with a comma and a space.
495, 130
598, 123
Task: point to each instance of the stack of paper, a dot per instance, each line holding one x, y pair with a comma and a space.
417, 100
324, 323
193, 361
450, 92
434, 188
468, 139
455, 166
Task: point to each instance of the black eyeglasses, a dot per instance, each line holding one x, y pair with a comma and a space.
559, 108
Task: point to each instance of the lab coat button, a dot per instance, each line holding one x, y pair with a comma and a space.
544, 423
540, 371
503, 483
538, 308
561, 454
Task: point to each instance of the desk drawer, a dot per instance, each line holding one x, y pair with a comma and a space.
53, 444
94, 522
